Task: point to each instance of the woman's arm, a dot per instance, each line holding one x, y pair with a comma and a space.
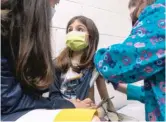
133, 92
54, 90
141, 55
122, 88
14, 99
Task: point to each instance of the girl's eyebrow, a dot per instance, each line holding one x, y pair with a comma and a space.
82, 26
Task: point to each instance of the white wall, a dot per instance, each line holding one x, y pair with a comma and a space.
110, 16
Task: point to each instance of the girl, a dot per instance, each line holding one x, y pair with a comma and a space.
74, 65
26, 65
141, 56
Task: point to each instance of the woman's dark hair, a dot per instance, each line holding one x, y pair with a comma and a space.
138, 5
63, 61
26, 26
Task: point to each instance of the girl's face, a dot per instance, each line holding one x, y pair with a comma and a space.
78, 26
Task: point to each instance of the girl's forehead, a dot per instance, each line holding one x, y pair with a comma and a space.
77, 23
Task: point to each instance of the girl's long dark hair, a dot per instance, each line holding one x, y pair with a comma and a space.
25, 25
63, 61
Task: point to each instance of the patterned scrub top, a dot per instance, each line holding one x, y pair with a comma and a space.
135, 93
140, 56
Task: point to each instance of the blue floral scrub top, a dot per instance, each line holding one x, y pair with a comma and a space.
140, 56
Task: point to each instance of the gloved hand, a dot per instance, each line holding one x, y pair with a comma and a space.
107, 111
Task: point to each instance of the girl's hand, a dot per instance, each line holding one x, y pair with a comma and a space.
96, 119
87, 103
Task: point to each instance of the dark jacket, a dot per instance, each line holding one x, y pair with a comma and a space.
81, 90
13, 99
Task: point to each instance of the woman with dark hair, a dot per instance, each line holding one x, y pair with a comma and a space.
26, 66
140, 57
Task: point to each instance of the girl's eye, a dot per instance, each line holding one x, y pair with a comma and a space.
70, 29
80, 29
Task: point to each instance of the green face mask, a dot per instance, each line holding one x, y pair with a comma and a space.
76, 41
